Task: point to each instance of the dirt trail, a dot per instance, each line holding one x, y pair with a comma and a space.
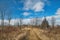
33, 34
40, 34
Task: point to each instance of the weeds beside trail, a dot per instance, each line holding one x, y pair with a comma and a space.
29, 33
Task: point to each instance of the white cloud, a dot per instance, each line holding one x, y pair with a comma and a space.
26, 21
26, 13
13, 21
16, 21
58, 11
28, 4
58, 22
36, 5
58, 16
5, 22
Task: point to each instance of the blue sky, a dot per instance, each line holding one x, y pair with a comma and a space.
31, 8
19, 7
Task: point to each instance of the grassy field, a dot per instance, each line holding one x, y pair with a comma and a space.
29, 33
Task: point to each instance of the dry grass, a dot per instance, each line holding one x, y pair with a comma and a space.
53, 33
9, 33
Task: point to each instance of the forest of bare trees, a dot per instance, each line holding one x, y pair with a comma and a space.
33, 21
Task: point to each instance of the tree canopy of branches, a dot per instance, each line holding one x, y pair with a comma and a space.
45, 24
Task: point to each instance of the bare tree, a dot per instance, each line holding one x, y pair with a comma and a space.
18, 3
9, 14
36, 21
9, 19
53, 21
2, 14
20, 23
32, 21
3, 7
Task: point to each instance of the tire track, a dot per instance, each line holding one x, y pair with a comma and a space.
37, 36
41, 35
33, 36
